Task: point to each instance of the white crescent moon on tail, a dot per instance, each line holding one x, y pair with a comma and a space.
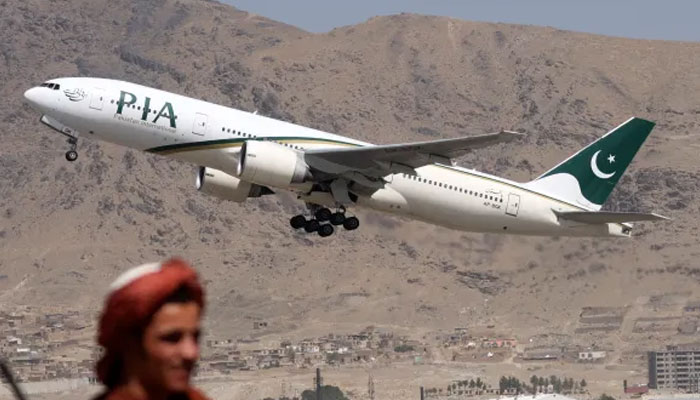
597, 172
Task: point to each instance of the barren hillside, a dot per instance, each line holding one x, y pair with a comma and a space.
66, 230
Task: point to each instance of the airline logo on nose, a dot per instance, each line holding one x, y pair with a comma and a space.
75, 94
129, 100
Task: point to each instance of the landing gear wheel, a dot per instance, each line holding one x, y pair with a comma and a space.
311, 225
71, 155
351, 223
297, 221
337, 218
323, 214
325, 230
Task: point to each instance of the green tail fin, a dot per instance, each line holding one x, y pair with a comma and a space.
597, 168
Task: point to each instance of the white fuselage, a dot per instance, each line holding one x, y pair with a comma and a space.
210, 135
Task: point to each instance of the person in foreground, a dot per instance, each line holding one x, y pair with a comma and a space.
149, 330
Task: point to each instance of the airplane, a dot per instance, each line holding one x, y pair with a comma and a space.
243, 155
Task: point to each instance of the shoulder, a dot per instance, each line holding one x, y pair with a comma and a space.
195, 394
101, 396
114, 394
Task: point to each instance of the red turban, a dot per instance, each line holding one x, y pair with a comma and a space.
133, 299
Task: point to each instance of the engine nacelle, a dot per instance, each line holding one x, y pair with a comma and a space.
271, 164
224, 186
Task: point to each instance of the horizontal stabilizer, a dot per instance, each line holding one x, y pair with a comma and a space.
604, 217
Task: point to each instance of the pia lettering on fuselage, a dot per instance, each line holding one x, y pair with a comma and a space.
130, 99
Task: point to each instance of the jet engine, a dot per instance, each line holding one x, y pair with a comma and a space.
271, 164
224, 186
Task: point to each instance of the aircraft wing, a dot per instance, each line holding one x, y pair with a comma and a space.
385, 158
603, 217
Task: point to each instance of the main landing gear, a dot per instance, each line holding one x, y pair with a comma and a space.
323, 221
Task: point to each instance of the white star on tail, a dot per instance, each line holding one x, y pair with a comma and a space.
611, 158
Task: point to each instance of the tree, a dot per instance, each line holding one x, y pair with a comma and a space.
472, 384
503, 384
328, 392
605, 397
583, 383
568, 384
479, 383
557, 385
403, 348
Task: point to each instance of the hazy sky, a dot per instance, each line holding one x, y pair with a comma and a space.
647, 19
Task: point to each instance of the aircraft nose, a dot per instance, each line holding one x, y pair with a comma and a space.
33, 96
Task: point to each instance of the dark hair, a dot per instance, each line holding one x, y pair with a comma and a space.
183, 294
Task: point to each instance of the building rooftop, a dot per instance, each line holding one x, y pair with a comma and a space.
541, 396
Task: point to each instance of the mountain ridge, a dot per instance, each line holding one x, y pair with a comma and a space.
67, 230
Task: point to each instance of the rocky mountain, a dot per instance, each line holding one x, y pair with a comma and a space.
67, 229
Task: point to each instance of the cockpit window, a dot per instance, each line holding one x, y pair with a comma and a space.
44, 84
56, 86
53, 86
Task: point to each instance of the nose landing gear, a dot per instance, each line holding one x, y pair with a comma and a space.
70, 133
72, 155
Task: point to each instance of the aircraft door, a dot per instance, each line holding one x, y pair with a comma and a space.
97, 98
200, 124
513, 205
